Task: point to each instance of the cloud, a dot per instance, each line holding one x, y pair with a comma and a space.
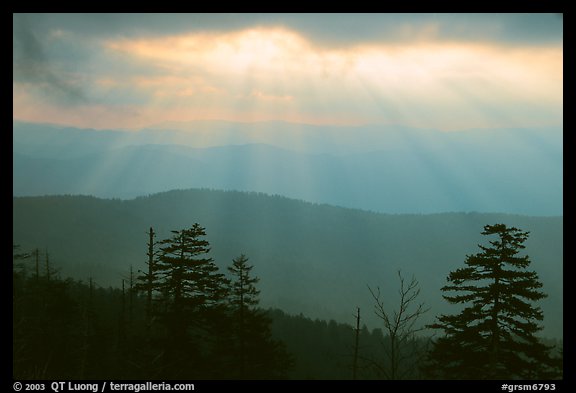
332, 29
31, 66
263, 96
443, 71
280, 66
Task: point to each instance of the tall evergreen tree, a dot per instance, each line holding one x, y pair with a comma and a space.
189, 277
255, 354
493, 337
188, 291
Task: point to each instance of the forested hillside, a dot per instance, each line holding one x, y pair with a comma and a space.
67, 329
312, 259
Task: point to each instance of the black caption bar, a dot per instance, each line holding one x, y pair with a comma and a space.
103, 386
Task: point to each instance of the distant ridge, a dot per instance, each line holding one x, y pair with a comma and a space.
378, 168
312, 258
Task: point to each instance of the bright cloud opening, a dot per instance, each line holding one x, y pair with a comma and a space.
272, 73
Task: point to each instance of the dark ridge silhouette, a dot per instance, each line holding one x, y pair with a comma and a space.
315, 259
381, 168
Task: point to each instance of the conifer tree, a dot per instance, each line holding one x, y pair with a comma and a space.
188, 279
185, 294
494, 336
255, 354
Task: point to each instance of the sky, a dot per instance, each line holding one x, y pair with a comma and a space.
442, 71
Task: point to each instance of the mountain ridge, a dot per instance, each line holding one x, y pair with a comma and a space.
397, 173
312, 258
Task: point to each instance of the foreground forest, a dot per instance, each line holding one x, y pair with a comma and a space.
68, 329
181, 318
313, 259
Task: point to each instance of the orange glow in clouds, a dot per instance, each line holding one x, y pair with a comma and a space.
276, 74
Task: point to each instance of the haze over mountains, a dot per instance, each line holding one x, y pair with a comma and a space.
312, 259
332, 150
328, 253
389, 169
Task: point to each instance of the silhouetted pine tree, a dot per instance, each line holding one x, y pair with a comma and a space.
255, 354
191, 292
493, 337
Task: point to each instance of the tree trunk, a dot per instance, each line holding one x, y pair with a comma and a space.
355, 364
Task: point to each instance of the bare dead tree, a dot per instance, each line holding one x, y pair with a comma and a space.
37, 258
48, 271
147, 280
356, 344
403, 350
